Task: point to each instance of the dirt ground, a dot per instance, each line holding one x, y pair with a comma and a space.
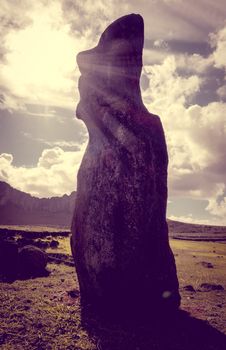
44, 313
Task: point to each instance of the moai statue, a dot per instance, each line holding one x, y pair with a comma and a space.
120, 239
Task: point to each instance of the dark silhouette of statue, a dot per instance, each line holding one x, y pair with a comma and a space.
120, 244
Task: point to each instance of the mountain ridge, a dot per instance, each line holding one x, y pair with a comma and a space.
20, 208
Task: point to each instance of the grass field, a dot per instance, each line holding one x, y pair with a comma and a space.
42, 313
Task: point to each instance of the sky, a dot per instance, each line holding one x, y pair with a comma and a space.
183, 81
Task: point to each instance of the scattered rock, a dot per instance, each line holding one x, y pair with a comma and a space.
24, 241
206, 287
32, 261
189, 288
26, 307
41, 243
73, 293
54, 243
206, 264
28, 301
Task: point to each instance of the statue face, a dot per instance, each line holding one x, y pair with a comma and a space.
106, 74
88, 96
79, 110
86, 84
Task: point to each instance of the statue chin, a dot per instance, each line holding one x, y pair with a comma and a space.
79, 111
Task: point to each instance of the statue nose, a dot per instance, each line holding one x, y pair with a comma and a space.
88, 61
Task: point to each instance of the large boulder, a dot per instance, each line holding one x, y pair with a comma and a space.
119, 238
32, 261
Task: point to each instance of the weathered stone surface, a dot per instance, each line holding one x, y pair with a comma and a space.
119, 231
32, 261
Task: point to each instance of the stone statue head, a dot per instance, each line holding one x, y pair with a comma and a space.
110, 72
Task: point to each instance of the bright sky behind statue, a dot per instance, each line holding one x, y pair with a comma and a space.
183, 81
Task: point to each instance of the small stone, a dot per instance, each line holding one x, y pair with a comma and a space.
24, 241
207, 264
73, 293
28, 301
26, 307
189, 288
41, 244
54, 244
209, 286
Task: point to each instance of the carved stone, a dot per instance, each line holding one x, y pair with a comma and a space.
119, 239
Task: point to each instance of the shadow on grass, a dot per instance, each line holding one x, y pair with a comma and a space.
12, 277
180, 332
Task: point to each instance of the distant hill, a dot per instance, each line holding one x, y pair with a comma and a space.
20, 208
195, 232
184, 227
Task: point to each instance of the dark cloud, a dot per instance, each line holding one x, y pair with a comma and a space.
204, 16
174, 46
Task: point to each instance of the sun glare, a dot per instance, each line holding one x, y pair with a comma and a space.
42, 60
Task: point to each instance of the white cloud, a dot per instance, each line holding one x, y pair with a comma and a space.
194, 63
167, 88
61, 143
218, 41
217, 204
196, 135
54, 175
51, 157
183, 218
198, 151
221, 91
6, 157
75, 145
